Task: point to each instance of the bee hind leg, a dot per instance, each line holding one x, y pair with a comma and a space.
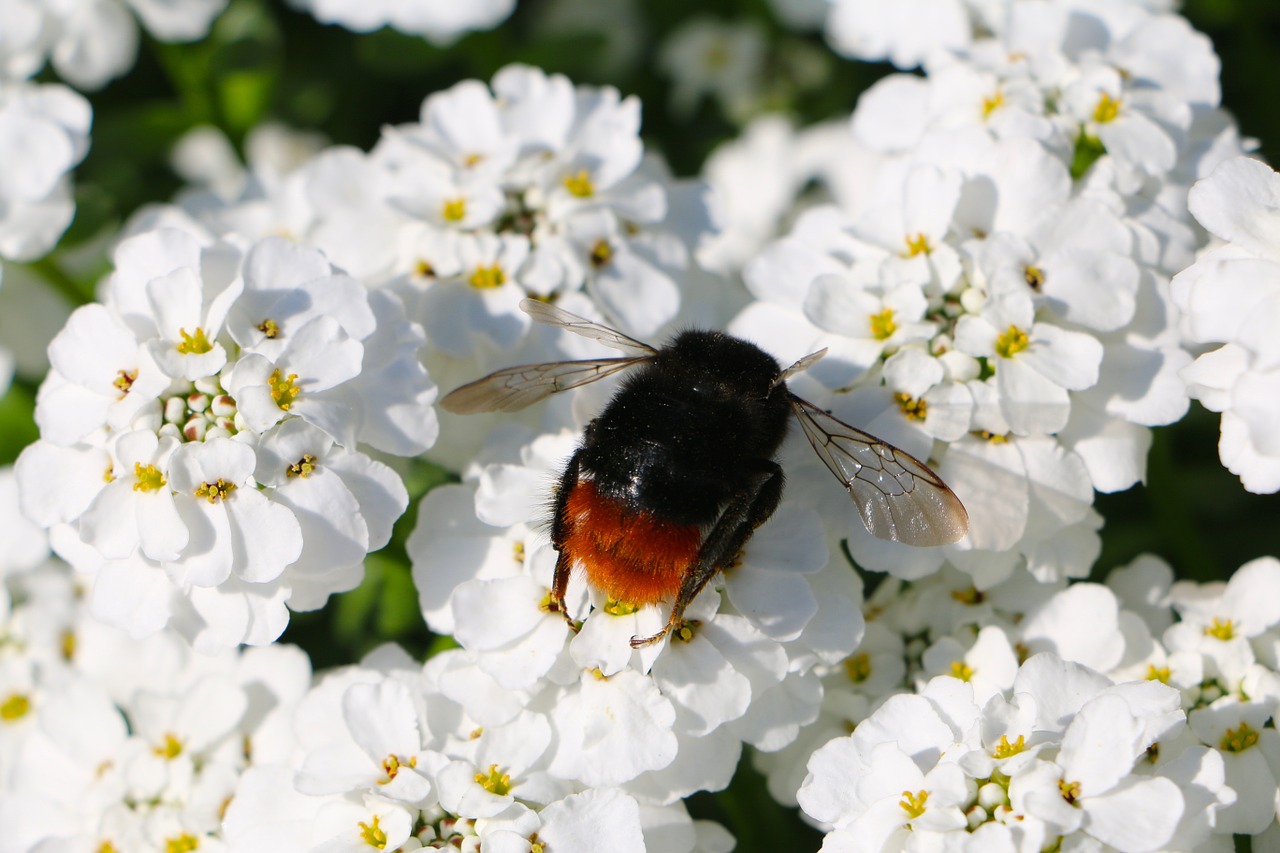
560, 535
747, 510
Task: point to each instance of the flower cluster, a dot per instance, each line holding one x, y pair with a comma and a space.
995, 295
1231, 296
526, 187
1151, 733
999, 258
387, 757
112, 743
201, 433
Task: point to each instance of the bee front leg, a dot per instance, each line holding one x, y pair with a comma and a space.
747, 510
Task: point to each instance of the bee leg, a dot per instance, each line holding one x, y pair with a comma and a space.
747, 510
560, 535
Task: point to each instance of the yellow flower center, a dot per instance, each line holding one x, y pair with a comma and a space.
284, 389
614, 607
149, 478
495, 781
961, 670
1239, 739
15, 707
1160, 674
124, 381
194, 344
392, 764
858, 667
991, 103
918, 245
372, 834
1011, 342
487, 278
183, 843
882, 325
913, 409
270, 328
601, 254
579, 184
1222, 629
455, 210
1004, 749
1070, 790
170, 749
303, 467
214, 492
686, 630
1107, 109
1034, 276
913, 804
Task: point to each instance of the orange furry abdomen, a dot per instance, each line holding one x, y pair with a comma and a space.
631, 556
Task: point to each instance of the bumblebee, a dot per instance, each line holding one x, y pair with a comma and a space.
680, 468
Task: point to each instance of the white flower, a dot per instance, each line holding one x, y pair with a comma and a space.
439, 22
723, 60
201, 434
44, 133
379, 751
1230, 297
1090, 787
904, 33
611, 729
25, 544
236, 528
89, 42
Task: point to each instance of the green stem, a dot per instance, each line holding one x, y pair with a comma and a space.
57, 278
1176, 515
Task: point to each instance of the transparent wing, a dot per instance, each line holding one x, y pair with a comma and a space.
544, 312
897, 495
514, 388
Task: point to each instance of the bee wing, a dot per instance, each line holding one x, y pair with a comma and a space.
897, 495
545, 312
514, 388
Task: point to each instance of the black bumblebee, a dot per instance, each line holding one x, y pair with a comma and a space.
676, 473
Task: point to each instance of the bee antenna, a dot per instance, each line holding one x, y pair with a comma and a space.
799, 367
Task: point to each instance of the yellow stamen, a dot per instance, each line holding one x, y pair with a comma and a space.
303, 468
284, 389
1004, 749
214, 492
372, 834
495, 781
882, 325
1011, 342
1107, 109
487, 278
148, 479
194, 344
579, 184
913, 804
455, 210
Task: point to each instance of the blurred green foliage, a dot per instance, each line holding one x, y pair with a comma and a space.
265, 61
